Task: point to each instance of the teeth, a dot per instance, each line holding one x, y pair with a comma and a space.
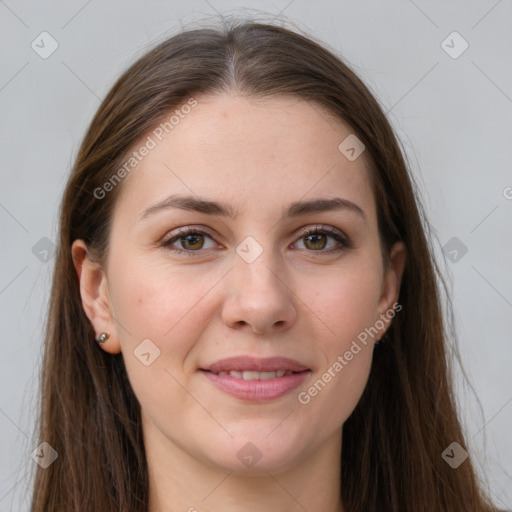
250, 375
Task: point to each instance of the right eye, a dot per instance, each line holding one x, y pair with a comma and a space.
193, 238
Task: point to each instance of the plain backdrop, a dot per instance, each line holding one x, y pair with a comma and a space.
451, 107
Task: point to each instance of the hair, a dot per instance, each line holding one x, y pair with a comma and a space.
392, 442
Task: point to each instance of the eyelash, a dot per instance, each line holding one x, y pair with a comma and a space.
325, 230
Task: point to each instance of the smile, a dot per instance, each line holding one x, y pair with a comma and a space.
252, 375
253, 386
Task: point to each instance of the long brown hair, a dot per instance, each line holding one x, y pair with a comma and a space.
392, 443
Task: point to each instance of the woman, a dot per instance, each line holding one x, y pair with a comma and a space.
244, 313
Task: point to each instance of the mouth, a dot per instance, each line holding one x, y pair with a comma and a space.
256, 380
255, 365
253, 375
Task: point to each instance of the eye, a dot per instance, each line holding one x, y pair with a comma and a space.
315, 238
192, 240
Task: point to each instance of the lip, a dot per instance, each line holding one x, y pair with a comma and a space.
256, 390
268, 364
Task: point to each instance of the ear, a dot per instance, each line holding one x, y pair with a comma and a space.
95, 297
391, 285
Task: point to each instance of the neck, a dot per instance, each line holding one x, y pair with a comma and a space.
179, 482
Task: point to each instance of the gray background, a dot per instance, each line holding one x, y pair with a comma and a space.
453, 116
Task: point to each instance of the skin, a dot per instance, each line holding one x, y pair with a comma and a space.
296, 300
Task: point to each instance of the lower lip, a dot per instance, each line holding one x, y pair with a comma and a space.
257, 390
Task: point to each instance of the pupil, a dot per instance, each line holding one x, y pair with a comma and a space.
312, 238
190, 239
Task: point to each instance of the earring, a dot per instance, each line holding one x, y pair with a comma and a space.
104, 336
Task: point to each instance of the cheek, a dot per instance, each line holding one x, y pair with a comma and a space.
347, 304
169, 307
157, 300
164, 307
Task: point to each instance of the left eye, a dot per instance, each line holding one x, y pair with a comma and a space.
318, 239
192, 240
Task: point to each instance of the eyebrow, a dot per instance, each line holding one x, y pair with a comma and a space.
295, 209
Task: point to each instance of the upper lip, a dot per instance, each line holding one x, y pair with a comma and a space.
247, 363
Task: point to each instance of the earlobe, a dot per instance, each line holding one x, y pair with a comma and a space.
95, 296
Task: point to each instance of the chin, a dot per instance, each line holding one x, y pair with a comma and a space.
259, 453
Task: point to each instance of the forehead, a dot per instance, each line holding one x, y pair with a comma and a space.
258, 154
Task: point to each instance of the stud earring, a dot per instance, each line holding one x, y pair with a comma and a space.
104, 336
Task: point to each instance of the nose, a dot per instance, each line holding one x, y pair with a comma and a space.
259, 296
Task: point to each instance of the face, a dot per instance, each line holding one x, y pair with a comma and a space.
259, 281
